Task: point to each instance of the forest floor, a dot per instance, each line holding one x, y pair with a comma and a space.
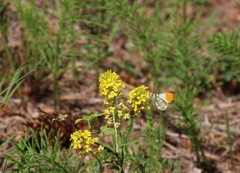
80, 97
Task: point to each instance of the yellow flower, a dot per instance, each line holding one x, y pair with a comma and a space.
120, 112
123, 111
88, 148
99, 150
139, 99
126, 116
116, 124
108, 115
83, 141
110, 86
123, 106
86, 134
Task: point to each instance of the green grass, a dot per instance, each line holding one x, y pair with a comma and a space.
57, 34
37, 152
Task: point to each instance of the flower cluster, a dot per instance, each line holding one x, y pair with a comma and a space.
110, 86
121, 111
85, 143
139, 99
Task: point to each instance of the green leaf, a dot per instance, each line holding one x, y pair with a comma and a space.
88, 117
78, 120
96, 115
106, 130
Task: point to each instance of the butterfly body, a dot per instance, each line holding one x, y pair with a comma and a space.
162, 100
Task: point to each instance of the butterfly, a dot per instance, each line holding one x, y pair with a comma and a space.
162, 100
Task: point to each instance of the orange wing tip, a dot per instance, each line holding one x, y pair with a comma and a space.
169, 97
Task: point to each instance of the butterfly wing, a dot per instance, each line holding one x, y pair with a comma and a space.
162, 100
167, 97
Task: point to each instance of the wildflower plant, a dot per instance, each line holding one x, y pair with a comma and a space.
85, 142
119, 115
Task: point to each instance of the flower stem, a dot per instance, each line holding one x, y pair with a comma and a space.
115, 129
